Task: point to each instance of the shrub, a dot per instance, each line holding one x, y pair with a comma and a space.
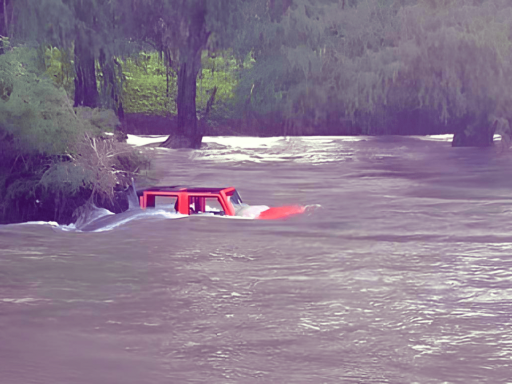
53, 157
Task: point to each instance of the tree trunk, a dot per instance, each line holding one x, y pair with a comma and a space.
188, 134
474, 131
112, 84
6, 20
86, 89
186, 102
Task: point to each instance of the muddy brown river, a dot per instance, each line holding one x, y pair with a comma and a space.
403, 275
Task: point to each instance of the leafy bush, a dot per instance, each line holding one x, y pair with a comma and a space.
53, 157
36, 116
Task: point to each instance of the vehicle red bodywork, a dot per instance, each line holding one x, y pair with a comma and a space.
197, 196
281, 212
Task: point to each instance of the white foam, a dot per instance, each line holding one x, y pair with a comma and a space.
445, 137
139, 140
299, 149
50, 223
253, 211
20, 301
243, 141
159, 212
333, 138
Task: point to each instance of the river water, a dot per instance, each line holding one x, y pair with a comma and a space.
404, 275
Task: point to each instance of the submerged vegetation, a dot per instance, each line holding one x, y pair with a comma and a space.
69, 70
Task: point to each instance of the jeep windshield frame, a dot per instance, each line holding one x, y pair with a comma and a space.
235, 198
147, 197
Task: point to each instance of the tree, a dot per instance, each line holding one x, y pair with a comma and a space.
181, 30
378, 61
455, 57
101, 30
6, 21
6, 17
264, 90
53, 158
88, 30
308, 59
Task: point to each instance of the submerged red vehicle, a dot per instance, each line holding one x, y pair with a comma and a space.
210, 201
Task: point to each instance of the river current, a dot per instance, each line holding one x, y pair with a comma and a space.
403, 275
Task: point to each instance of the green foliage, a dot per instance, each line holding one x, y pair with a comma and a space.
286, 78
59, 68
219, 71
459, 55
344, 69
311, 61
181, 31
5, 44
97, 120
447, 58
37, 115
167, 24
262, 85
371, 61
80, 34
149, 88
49, 151
91, 166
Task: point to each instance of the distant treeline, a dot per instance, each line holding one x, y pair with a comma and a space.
281, 66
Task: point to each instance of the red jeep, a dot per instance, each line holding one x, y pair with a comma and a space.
213, 201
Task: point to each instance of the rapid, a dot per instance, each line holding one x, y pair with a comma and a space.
403, 275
